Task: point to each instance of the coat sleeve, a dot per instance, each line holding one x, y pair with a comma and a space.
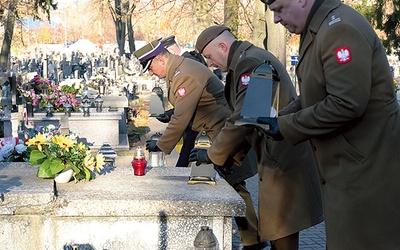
187, 92
292, 107
232, 135
344, 58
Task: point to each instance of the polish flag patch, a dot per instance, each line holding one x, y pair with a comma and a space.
245, 79
182, 91
343, 55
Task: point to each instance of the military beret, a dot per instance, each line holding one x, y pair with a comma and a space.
168, 41
208, 35
146, 53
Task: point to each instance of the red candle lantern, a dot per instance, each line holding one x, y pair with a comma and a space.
139, 162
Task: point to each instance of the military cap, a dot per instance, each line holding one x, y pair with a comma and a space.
168, 41
208, 35
268, 2
146, 53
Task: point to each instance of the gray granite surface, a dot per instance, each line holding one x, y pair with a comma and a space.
117, 191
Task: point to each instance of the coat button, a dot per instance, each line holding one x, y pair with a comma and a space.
323, 181
260, 178
314, 148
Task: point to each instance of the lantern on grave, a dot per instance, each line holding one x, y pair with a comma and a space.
139, 162
205, 239
67, 109
49, 109
85, 90
45, 88
156, 159
86, 109
86, 106
109, 154
98, 103
101, 87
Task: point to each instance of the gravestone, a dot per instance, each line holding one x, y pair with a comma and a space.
67, 69
33, 67
156, 102
45, 69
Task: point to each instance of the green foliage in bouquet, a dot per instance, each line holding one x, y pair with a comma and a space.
58, 153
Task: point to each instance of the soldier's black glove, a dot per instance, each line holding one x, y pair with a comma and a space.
151, 146
199, 155
166, 116
273, 127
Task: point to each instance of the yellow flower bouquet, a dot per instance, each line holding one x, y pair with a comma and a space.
58, 153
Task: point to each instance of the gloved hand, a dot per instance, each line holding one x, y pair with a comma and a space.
273, 127
166, 116
151, 146
199, 155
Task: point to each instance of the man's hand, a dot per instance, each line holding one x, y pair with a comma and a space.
166, 116
151, 146
273, 127
200, 156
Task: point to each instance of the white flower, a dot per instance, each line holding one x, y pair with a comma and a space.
7, 150
20, 148
73, 135
51, 127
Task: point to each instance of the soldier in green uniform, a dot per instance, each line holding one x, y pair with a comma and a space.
197, 95
289, 193
348, 109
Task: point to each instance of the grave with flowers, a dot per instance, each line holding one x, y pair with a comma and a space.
48, 102
42, 93
116, 209
54, 152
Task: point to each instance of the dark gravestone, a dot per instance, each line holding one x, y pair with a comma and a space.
67, 70
33, 66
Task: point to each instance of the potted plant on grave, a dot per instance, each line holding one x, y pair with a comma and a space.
66, 99
37, 83
58, 153
30, 96
70, 88
50, 97
94, 84
30, 92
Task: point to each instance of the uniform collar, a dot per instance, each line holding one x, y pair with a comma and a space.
173, 63
314, 20
235, 51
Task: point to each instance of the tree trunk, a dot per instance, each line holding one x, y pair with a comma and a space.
277, 38
201, 17
8, 35
231, 8
131, 34
120, 26
260, 32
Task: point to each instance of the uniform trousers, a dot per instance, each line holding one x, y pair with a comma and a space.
247, 225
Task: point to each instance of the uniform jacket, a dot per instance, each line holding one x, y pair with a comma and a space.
289, 193
195, 91
348, 109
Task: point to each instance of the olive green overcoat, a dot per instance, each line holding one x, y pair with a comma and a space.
289, 192
348, 109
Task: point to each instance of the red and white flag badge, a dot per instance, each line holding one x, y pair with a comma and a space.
181, 91
245, 79
343, 55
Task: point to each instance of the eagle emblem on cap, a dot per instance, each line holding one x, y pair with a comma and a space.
245, 79
182, 91
343, 55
